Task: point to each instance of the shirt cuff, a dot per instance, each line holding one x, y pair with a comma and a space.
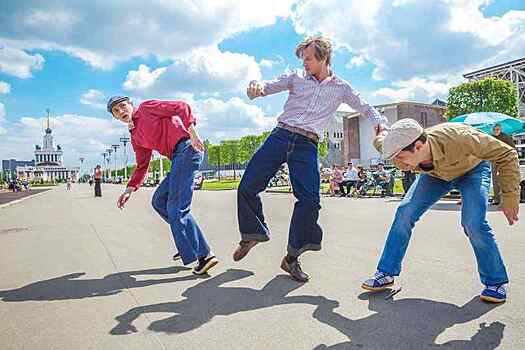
510, 200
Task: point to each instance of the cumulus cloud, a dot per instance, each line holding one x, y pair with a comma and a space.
18, 63
419, 89
94, 98
167, 29
78, 135
5, 88
233, 118
2, 118
206, 70
405, 39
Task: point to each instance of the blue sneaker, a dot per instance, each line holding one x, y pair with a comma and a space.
494, 294
380, 281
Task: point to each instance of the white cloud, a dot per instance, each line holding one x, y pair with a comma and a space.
142, 78
2, 118
233, 118
104, 32
5, 88
418, 89
270, 63
78, 135
405, 39
356, 61
94, 98
18, 63
206, 70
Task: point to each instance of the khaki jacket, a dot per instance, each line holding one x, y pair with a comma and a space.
458, 148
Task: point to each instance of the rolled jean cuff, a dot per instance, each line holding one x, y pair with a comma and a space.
254, 237
296, 252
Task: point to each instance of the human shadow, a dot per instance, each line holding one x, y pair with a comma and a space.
69, 287
410, 324
453, 206
209, 298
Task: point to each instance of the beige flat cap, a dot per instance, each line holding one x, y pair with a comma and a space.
402, 133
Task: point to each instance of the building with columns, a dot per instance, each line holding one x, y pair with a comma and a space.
48, 162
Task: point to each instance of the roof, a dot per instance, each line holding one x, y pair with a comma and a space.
495, 68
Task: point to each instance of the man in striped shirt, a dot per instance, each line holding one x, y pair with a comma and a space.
314, 94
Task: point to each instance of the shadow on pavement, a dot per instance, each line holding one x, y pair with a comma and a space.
453, 206
395, 324
410, 324
208, 299
69, 287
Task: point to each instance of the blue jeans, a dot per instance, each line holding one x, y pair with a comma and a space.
424, 192
301, 155
172, 200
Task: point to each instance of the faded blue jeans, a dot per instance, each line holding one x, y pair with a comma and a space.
427, 190
172, 200
301, 155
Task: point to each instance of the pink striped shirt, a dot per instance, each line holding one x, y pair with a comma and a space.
311, 104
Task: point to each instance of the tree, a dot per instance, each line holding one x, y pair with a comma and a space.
230, 149
247, 147
487, 95
214, 157
322, 147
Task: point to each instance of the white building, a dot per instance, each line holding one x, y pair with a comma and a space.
48, 162
334, 133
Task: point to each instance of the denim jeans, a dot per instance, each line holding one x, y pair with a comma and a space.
301, 155
424, 192
172, 200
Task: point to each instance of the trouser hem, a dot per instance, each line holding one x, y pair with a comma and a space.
308, 247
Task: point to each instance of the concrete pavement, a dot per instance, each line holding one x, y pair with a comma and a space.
77, 273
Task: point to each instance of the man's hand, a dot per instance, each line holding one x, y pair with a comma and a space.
124, 197
511, 214
255, 89
196, 141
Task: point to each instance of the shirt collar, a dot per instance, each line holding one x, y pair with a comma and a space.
331, 77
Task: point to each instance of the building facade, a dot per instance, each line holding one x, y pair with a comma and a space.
9, 166
333, 132
48, 163
358, 132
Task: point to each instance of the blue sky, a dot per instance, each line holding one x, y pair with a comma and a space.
70, 58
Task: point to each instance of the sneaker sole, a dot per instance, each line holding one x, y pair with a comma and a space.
492, 300
207, 267
377, 289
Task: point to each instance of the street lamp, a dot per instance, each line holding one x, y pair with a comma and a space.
115, 147
109, 150
80, 172
125, 141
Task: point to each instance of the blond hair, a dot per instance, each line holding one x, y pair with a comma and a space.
322, 46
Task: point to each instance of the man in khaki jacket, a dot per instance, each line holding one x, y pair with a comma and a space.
449, 156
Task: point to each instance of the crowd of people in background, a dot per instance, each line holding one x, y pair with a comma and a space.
358, 181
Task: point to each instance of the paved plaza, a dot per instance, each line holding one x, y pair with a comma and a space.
77, 273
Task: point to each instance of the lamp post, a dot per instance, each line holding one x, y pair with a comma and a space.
115, 147
125, 141
109, 150
104, 155
80, 172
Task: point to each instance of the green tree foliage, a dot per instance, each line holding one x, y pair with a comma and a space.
247, 147
322, 147
487, 95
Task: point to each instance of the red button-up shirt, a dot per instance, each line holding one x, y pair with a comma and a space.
159, 126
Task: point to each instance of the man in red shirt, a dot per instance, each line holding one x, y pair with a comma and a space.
168, 128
